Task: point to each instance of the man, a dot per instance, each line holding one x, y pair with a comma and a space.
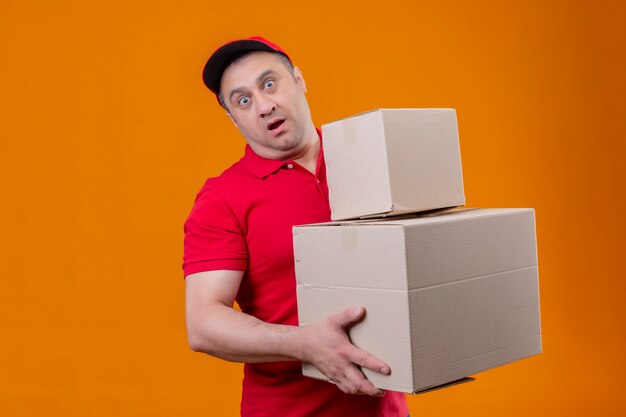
238, 247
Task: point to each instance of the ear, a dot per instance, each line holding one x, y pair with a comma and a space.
297, 74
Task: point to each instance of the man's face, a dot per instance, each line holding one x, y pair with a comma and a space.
268, 105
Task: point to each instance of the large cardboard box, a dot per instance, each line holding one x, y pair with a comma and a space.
393, 161
446, 296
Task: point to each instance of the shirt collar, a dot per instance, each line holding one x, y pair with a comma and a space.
262, 167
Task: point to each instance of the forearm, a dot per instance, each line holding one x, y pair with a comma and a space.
235, 336
214, 327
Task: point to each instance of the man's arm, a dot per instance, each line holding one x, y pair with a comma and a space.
216, 328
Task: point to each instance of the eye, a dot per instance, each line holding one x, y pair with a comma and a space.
268, 84
243, 101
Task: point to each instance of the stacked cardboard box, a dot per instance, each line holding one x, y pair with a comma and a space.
447, 293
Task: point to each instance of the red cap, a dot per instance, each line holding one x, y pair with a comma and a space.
223, 56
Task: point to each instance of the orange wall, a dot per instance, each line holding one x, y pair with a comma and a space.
106, 134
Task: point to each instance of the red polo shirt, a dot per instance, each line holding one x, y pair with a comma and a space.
242, 220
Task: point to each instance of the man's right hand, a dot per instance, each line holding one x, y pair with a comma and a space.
328, 347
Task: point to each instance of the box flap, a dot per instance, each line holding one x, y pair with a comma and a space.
322, 254
463, 245
389, 220
446, 385
393, 109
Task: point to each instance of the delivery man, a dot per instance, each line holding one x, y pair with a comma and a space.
238, 247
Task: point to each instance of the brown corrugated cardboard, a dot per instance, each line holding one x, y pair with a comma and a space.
446, 296
393, 161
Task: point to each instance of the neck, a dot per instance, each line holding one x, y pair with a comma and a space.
308, 156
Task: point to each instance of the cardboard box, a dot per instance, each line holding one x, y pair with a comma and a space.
393, 161
446, 296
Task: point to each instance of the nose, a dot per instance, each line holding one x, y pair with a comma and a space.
265, 106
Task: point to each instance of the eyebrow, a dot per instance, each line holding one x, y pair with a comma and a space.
258, 80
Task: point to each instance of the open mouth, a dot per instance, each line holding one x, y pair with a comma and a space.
275, 125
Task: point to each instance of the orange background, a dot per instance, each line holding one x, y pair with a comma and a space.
106, 134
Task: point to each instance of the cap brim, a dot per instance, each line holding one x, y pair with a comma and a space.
217, 63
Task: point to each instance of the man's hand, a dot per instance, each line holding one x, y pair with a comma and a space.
214, 327
328, 347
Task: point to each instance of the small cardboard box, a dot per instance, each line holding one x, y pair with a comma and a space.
446, 296
393, 161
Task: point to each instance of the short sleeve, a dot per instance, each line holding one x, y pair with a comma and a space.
214, 238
